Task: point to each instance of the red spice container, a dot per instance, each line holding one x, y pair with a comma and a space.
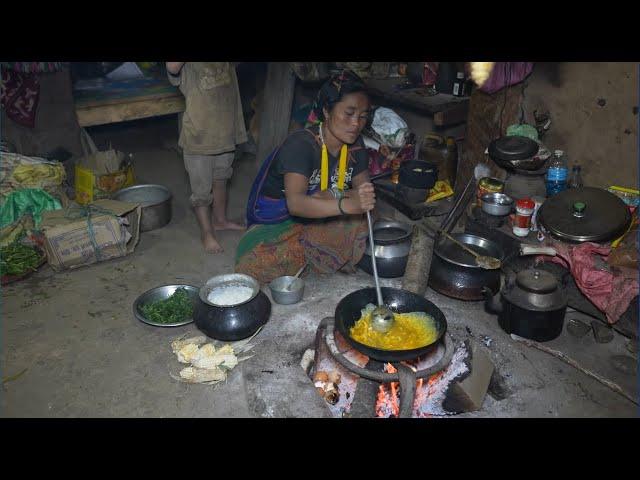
522, 218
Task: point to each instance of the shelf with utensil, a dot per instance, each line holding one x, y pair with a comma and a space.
445, 109
391, 194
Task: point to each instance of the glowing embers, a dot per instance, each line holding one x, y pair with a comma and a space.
430, 392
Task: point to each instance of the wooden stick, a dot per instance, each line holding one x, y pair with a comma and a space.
613, 386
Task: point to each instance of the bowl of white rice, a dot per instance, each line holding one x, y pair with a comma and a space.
229, 290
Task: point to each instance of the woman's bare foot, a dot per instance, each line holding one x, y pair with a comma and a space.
227, 225
210, 243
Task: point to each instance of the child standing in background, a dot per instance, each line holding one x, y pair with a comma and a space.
212, 126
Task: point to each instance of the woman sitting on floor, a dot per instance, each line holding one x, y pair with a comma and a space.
308, 200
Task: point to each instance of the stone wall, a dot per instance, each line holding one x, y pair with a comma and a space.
594, 116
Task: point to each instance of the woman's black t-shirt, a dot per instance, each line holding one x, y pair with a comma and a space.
300, 153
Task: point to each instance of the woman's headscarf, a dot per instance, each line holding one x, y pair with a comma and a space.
338, 85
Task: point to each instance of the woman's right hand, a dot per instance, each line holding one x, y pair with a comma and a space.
364, 198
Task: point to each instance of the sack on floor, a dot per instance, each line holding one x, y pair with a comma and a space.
20, 171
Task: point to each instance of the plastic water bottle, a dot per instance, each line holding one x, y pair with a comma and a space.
576, 177
557, 174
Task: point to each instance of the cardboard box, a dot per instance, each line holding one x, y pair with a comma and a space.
100, 175
69, 244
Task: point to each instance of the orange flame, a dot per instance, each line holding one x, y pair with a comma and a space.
425, 390
387, 403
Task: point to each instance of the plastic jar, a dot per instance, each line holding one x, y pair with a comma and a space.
522, 218
489, 185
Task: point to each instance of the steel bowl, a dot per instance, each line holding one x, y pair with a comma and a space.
161, 293
497, 204
155, 201
284, 296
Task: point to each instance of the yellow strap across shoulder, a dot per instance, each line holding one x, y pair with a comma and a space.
324, 164
324, 169
342, 169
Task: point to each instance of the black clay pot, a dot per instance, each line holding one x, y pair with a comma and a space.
454, 272
233, 323
461, 282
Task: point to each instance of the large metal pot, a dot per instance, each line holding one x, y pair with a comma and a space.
532, 305
232, 322
454, 272
392, 244
348, 312
155, 201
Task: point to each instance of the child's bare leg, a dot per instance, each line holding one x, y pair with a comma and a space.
209, 241
220, 221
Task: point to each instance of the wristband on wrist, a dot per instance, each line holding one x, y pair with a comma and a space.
337, 193
340, 206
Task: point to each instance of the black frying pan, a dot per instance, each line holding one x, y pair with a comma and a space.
400, 301
418, 174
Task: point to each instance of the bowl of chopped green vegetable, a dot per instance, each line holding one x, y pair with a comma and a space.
167, 305
18, 261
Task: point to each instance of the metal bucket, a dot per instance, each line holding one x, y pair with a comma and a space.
155, 201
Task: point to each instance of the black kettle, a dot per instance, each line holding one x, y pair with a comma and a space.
532, 304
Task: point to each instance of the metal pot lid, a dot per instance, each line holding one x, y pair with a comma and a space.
449, 251
513, 147
386, 232
585, 214
536, 281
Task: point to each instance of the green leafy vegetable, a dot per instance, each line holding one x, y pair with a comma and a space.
177, 308
18, 259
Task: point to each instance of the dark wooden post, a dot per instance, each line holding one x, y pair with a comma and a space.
416, 275
276, 114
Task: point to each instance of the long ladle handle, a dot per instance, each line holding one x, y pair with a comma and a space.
373, 260
460, 244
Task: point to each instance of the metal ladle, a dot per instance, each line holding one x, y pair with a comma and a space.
483, 261
382, 317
